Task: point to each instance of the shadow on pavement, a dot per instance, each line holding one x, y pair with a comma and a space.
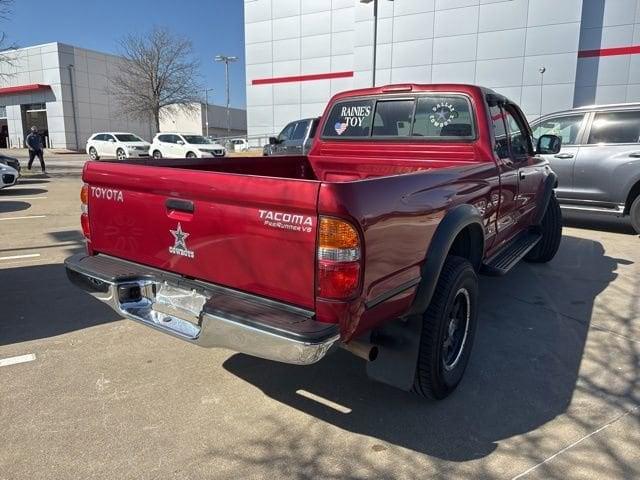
531, 338
40, 302
15, 192
605, 223
8, 206
32, 181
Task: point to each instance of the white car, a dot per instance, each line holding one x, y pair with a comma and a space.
239, 144
8, 176
120, 145
180, 145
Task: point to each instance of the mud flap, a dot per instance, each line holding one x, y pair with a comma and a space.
398, 348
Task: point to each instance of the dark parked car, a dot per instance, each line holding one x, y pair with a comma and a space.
294, 139
598, 166
11, 162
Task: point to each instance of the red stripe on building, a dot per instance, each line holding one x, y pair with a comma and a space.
34, 87
302, 78
608, 52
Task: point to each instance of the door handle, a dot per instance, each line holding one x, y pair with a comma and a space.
179, 205
635, 154
564, 155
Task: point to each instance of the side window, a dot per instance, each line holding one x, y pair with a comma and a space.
393, 118
177, 138
99, 137
299, 131
287, 132
163, 138
566, 128
518, 135
615, 127
349, 119
439, 116
109, 138
499, 131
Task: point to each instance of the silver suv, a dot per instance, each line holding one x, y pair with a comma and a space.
598, 166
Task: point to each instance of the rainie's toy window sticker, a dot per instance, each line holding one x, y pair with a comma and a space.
349, 119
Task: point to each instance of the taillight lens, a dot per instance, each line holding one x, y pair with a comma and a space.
84, 218
338, 259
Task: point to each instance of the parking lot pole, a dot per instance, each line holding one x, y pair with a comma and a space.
375, 38
226, 59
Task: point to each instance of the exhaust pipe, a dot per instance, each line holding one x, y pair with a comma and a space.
364, 350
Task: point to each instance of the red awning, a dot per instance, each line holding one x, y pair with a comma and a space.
34, 87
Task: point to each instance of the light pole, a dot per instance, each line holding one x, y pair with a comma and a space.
206, 110
226, 59
375, 36
73, 105
541, 70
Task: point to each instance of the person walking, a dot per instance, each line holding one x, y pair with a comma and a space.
34, 144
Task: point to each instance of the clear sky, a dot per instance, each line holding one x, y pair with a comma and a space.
214, 26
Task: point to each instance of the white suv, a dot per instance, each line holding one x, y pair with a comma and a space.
116, 144
178, 145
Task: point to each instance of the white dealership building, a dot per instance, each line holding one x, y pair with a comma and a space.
63, 90
546, 55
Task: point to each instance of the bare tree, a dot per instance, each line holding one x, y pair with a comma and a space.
7, 58
159, 75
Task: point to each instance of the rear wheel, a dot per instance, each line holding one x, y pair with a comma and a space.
634, 214
448, 330
551, 229
93, 154
120, 154
157, 154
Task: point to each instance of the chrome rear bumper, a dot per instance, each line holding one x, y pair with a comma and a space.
204, 314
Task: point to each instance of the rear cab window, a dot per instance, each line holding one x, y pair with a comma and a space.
430, 117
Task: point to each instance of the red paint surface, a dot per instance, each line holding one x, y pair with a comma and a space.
35, 87
301, 78
395, 193
608, 52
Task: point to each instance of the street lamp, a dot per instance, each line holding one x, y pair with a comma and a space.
541, 70
226, 59
375, 36
206, 110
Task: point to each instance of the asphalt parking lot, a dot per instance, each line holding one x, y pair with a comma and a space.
552, 390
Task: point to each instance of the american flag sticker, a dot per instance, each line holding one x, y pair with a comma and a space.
340, 127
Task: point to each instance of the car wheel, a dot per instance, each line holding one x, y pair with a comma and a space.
120, 154
157, 154
634, 214
93, 154
191, 155
448, 330
551, 229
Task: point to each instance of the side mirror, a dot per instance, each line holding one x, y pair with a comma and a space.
273, 141
112, 140
180, 142
548, 145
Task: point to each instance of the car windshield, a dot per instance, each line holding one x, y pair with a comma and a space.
197, 139
128, 137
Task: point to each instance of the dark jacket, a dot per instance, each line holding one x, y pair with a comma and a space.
34, 141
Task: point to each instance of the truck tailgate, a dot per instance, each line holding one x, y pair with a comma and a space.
252, 233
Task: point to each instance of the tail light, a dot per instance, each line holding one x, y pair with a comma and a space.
84, 218
338, 259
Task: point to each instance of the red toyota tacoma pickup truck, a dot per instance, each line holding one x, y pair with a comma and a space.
373, 242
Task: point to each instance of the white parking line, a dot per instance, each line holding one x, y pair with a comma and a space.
16, 257
5, 362
323, 401
24, 218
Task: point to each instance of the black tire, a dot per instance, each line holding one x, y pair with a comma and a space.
444, 356
634, 214
121, 154
551, 229
93, 154
157, 154
191, 155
